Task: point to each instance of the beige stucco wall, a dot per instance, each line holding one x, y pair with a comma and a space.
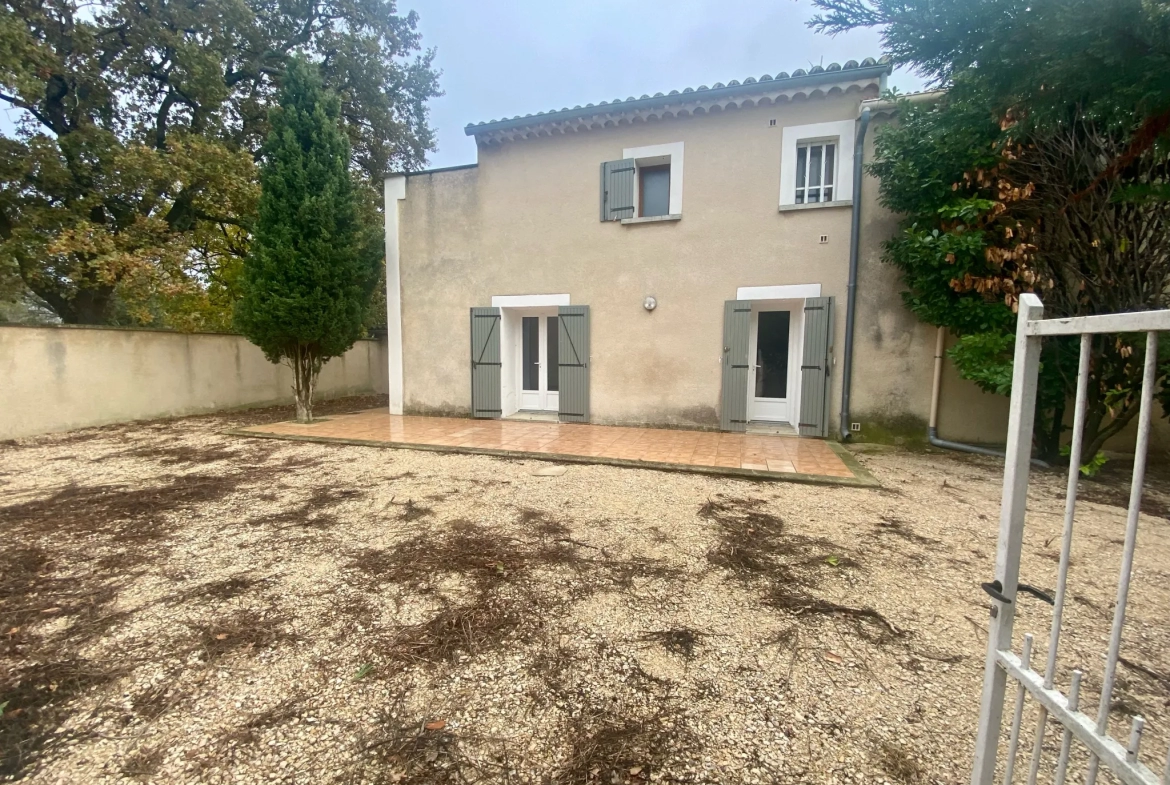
894, 352
59, 378
526, 222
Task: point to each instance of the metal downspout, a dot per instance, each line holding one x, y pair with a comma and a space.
851, 289
935, 394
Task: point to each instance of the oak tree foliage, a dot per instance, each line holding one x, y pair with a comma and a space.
129, 191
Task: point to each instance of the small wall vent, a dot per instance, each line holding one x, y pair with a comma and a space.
824, 239
855, 427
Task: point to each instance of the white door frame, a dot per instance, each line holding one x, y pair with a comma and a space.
777, 410
517, 398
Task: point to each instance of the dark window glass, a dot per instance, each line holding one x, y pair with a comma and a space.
801, 169
814, 173
772, 355
554, 370
531, 359
655, 190
830, 170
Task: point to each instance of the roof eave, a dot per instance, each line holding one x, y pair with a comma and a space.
824, 77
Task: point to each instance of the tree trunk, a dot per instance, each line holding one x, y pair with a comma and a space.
1048, 439
306, 366
92, 306
1094, 441
89, 303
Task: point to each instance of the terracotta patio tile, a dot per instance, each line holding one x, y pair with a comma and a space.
758, 452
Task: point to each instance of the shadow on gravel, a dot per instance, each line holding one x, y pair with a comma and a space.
612, 749
510, 584
54, 604
680, 641
409, 750
754, 547
315, 512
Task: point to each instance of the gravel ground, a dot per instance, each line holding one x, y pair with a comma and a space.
181, 606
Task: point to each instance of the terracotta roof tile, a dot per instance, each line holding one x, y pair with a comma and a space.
734, 85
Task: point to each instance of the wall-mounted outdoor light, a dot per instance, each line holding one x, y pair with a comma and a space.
650, 303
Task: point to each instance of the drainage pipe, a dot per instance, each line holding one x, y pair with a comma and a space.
851, 289
935, 391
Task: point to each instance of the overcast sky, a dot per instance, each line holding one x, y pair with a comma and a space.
520, 56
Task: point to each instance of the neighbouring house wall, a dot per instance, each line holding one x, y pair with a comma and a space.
894, 355
893, 359
59, 378
525, 221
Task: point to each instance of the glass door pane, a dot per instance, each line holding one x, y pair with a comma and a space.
551, 365
772, 354
530, 363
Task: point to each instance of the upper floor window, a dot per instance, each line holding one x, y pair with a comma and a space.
644, 185
815, 165
816, 170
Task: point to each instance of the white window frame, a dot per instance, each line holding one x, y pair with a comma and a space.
799, 291
826, 173
840, 133
657, 155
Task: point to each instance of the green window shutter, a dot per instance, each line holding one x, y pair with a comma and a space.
485, 362
814, 367
737, 319
573, 362
617, 190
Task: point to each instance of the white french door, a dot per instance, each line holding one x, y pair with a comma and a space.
539, 370
773, 362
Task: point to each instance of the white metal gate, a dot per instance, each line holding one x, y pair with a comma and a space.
1002, 662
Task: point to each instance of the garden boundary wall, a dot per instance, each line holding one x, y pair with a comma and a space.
59, 378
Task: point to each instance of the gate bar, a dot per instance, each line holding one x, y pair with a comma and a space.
1017, 716
1070, 507
1135, 738
1074, 702
1149, 376
1017, 463
1103, 747
1135, 322
1070, 504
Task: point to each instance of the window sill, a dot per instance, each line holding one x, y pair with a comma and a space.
785, 208
652, 219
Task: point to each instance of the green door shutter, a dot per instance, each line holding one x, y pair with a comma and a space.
737, 319
485, 362
617, 190
815, 364
573, 362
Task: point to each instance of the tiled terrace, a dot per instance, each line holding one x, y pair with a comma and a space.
710, 452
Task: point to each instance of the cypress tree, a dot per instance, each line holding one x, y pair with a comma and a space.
313, 263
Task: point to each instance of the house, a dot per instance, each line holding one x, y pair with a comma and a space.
677, 260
